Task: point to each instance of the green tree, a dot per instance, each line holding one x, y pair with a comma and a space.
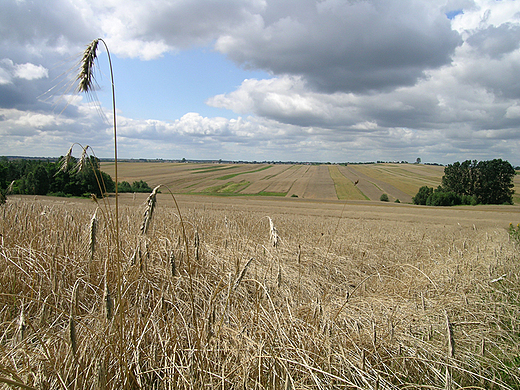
140, 186
443, 198
460, 178
494, 184
124, 186
422, 196
487, 182
41, 182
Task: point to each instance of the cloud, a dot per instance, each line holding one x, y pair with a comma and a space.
349, 80
496, 41
27, 71
346, 46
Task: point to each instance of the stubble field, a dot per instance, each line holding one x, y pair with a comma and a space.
354, 295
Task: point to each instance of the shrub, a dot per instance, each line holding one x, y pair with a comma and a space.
422, 196
124, 186
441, 198
384, 198
470, 200
514, 232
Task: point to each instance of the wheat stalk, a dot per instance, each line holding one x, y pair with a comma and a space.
242, 274
22, 326
93, 230
109, 303
273, 233
86, 84
148, 212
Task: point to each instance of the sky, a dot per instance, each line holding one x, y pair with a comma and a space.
264, 80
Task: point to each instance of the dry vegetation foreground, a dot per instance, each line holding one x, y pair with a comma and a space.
354, 295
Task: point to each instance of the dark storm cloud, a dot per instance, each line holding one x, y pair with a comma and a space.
42, 23
346, 46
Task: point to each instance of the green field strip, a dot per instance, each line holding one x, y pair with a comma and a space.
213, 169
375, 185
228, 188
266, 193
276, 174
235, 187
345, 189
230, 176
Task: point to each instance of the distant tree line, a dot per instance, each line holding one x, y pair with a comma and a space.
42, 177
470, 183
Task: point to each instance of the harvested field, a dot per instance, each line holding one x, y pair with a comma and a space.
372, 187
345, 188
261, 181
398, 181
355, 294
401, 178
320, 185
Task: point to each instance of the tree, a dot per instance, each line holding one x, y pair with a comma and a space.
422, 196
140, 186
460, 178
494, 184
124, 186
443, 198
488, 182
41, 180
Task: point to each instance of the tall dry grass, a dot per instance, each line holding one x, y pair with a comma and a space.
355, 304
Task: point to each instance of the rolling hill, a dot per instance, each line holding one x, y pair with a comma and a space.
327, 182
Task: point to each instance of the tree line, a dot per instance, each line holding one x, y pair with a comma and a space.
44, 177
470, 183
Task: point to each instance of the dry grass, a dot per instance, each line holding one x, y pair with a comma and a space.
346, 300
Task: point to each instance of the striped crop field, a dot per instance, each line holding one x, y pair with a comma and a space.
345, 188
324, 182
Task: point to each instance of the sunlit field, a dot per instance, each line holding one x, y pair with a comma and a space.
324, 182
257, 293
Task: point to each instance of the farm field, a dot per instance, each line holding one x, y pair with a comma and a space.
355, 294
398, 181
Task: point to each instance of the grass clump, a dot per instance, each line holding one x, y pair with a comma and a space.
514, 232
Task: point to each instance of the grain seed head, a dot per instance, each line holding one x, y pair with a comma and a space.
150, 207
65, 160
86, 79
93, 229
81, 165
273, 233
